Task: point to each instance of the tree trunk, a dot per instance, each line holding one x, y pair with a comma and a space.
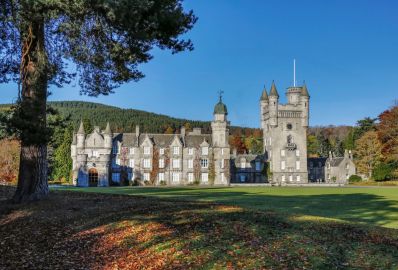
31, 114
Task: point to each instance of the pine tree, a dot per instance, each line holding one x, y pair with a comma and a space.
106, 40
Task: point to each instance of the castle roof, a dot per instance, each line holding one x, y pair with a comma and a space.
107, 129
220, 108
273, 91
304, 91
81, 128
161, 140
264, 95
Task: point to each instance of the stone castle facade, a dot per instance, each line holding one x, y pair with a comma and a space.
104, 158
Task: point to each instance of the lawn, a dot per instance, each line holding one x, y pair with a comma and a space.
367, 205
228, 228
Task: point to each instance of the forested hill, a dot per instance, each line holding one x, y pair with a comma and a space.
121, 120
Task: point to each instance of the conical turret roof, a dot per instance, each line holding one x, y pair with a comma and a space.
108, 129
81, 128
304, 91
273, 91
264, 95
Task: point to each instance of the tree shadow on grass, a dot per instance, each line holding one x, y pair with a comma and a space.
98, 231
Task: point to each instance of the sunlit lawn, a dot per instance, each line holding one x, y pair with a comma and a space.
270, 228
369, 205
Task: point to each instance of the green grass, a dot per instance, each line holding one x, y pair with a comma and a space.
365, 205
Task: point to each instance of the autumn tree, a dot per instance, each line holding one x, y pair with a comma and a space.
105, 40
169, 130
9, 160
387, 132
368, 152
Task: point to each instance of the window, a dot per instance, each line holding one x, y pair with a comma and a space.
147, 150
204, 163
161, 151
289, 126
115, 148
116, 177
270, 141
114, 165
161, 176
283, 165
205, 177
205, 151
297, 165
328, 176
242, 163
190, 151
175, 177
328, 165
282, 153
131, 163
176, 163
283, 178
222, 177
95, 154
147, 163
222, 151
190, 177
297, 153
146, 176
222, 165
290, 178
176, 150
161, 163
117, 161
258, 166
311, 164
347, 166
298, 178
190, 163
132, 151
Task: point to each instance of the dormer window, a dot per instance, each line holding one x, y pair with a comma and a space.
147, 150
161, 151
176, 150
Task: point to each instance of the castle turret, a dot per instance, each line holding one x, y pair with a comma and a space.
81, 135
273, 105
305, 105
219, 124
108, 136
264, 102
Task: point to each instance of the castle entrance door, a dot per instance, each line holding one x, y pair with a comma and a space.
93, 177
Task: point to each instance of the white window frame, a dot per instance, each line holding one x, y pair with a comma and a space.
222, 165
161, 151
290, 178
161, 163
190, 177
147, 176
190, 163
147, 150
297, 153
132, 151
175, 177
298, 164
222, 177
147, 163
283, 165
205, 177
283, 153
190, 151
176, 150
161, 176
131, 163
298, 178
176, 163
204, 163
283, 178
205, 151
222, 151
95, 153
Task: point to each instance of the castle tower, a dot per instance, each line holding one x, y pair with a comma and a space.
285, 134
264, 102
108, 136
81, 136
221, 150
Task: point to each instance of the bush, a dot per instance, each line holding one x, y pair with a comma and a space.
147, 183
384, 171
162, 183
354, 178
135, 182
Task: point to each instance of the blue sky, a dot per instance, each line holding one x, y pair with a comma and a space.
346, 51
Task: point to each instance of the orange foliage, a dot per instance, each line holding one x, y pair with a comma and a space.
9, 160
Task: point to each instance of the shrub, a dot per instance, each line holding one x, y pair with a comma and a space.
384, 171
354, 178
147, 183
162, 183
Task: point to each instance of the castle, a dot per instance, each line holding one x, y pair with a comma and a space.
104, 158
